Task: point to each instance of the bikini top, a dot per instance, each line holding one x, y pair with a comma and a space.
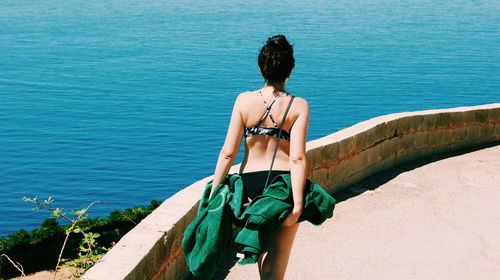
266, 130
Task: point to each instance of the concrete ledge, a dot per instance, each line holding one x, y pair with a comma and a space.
152, 250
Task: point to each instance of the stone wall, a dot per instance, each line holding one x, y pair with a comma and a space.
152, 250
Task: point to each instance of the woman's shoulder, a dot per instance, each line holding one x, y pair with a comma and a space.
246, 95
300, 101
300, 104
245, 98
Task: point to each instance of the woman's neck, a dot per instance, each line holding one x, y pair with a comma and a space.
275, 88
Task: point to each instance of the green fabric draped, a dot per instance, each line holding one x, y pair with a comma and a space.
210, 233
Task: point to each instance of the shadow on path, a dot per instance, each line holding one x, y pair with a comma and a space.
378, 179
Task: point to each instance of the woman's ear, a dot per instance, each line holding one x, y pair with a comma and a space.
288, 77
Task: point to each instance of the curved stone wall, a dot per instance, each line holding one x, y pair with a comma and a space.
152, 250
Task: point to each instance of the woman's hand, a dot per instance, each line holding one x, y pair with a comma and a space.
292, 218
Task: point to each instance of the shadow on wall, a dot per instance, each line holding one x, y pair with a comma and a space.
375, 181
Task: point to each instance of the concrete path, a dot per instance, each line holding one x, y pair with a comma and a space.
438, 218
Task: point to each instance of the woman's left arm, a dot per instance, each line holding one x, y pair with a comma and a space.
229, 150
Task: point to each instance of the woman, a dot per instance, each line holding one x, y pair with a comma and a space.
257, 116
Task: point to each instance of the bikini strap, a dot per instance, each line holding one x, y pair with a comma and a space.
278, 140
268, 108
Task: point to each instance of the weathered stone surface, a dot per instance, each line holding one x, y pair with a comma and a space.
481, 115
405, 143
443, 119
447, 137
346, 146
486, 131
320, 176
362, 160
417, 123
473, 133
461, 134
458, 118
374, 154
429, 121
403, 125
391, 129
336, 174
421, 139
330, 152
314, 157
375, 134
349, 166
388, 148
378, 167
401, 158
494, 114
426, 151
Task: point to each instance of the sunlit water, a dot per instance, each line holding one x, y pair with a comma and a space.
129, 101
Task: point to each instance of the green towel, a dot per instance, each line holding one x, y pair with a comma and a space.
210, 233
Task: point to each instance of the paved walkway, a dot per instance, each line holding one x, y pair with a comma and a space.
438, 218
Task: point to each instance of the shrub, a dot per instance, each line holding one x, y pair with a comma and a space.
40, 249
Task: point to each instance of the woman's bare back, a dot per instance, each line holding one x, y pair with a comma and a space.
259, 148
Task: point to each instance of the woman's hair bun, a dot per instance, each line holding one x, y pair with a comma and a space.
278, 42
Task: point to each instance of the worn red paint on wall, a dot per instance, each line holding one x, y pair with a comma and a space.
166, 263
327, 164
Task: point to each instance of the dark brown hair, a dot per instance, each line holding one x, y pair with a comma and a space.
276, 59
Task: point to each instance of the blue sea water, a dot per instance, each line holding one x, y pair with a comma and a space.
128, 101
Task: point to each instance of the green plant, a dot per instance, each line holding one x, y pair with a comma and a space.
40, 248
89, 251
89, 254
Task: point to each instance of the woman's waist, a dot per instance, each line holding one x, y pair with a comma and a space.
263, 165
263, 172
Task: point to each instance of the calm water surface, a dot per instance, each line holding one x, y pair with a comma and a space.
129, 101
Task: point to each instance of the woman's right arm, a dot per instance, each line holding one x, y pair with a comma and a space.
297, 158
229, 150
